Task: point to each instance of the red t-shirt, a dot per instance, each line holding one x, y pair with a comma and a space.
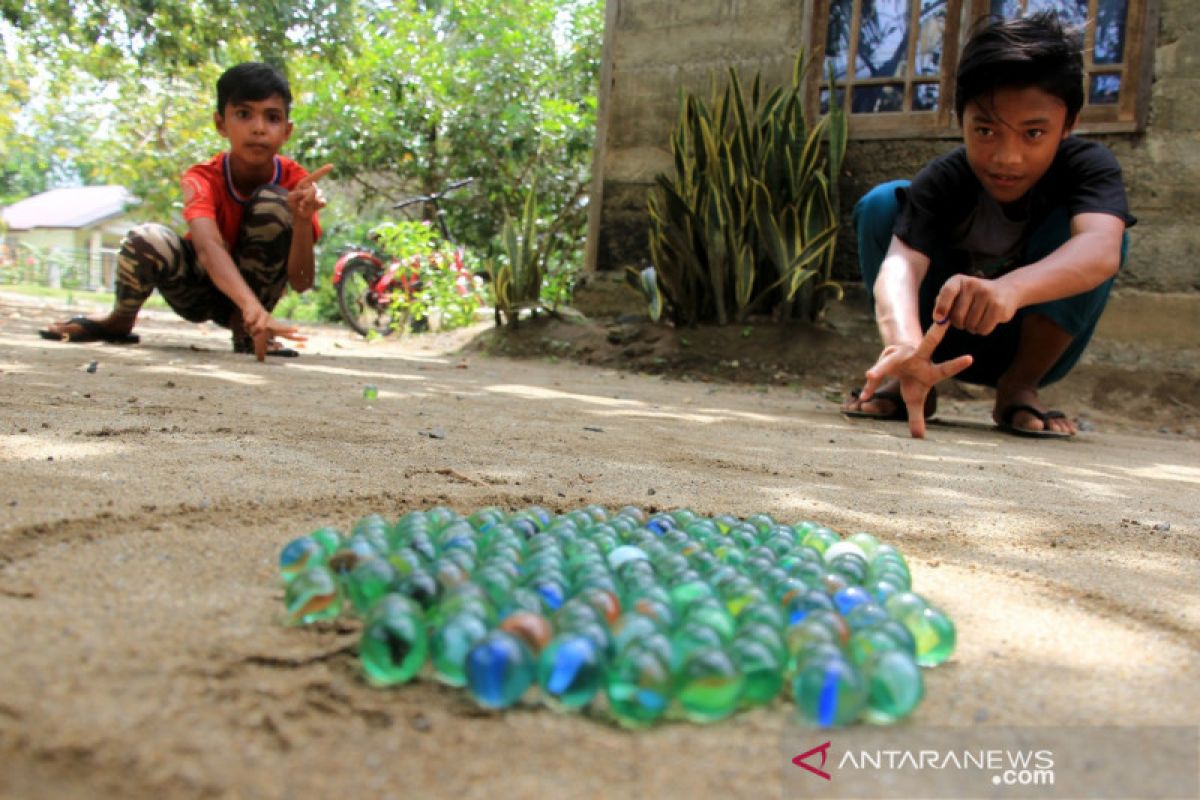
208, 193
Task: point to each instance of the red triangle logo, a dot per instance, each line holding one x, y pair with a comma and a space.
823, 749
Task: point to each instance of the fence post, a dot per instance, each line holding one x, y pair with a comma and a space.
94, 257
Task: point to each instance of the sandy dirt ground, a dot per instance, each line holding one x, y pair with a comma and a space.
144, 505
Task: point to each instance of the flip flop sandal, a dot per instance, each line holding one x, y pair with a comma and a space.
1009, 412
91, 331
899, 411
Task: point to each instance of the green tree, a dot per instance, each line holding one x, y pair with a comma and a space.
24, 162
504, 93
164, 125
401, 97
178, 35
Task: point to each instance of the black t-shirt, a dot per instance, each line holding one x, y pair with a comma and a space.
945, 198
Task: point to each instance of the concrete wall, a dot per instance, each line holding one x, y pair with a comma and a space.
50, 238
655, 48
108, 235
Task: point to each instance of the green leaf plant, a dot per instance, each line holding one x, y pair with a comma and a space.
748, 221
518, 274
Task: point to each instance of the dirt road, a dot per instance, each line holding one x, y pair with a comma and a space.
144, 505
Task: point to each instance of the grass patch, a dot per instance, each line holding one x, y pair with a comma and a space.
72, 296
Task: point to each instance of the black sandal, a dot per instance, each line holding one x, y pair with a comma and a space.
899, 411
1009, 412
245, 344
91, 331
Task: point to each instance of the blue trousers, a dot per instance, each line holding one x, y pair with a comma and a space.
874, 218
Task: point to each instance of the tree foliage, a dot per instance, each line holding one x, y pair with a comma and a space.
504, 93
400, 97
24, 162
177, 35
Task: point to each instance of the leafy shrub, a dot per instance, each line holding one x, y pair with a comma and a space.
449, 292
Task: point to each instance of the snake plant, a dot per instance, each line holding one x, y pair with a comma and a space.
747, 222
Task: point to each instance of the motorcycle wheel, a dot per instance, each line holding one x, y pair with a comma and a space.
362, 308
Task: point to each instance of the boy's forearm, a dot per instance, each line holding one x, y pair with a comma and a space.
226, 277
896, 300
301, 264
1081, 264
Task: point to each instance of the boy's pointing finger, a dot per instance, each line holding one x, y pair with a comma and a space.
946, 297
933, 337
316, 175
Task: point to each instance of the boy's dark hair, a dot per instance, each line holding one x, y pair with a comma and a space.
1019, 53
252, 81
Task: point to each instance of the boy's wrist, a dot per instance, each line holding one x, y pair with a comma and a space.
251, 307
1013, 284
895, 333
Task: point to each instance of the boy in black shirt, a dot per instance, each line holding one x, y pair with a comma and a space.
1004, 249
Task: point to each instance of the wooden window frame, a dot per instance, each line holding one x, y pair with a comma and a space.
1127, 115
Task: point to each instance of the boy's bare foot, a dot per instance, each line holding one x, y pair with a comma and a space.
1018, 410
112, 328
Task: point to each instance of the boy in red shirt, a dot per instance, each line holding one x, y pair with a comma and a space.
252, 223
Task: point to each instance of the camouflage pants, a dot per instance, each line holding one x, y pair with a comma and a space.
153, 256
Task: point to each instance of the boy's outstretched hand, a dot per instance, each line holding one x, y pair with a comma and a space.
275, 328
262, 327
307, 198
914, 368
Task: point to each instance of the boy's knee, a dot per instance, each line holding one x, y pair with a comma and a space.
270, 199
270, 193
266, 209
151, 233
877, 209
152, 242
874, 218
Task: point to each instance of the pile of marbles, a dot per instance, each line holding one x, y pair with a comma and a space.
639, 616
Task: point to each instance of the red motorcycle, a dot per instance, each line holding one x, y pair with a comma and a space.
375, 292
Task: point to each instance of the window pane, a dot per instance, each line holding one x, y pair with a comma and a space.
837, 39
877, 99
1072, 13
930, 39
882, 39
841, 96
925, 97
1110, 32
1105, 89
